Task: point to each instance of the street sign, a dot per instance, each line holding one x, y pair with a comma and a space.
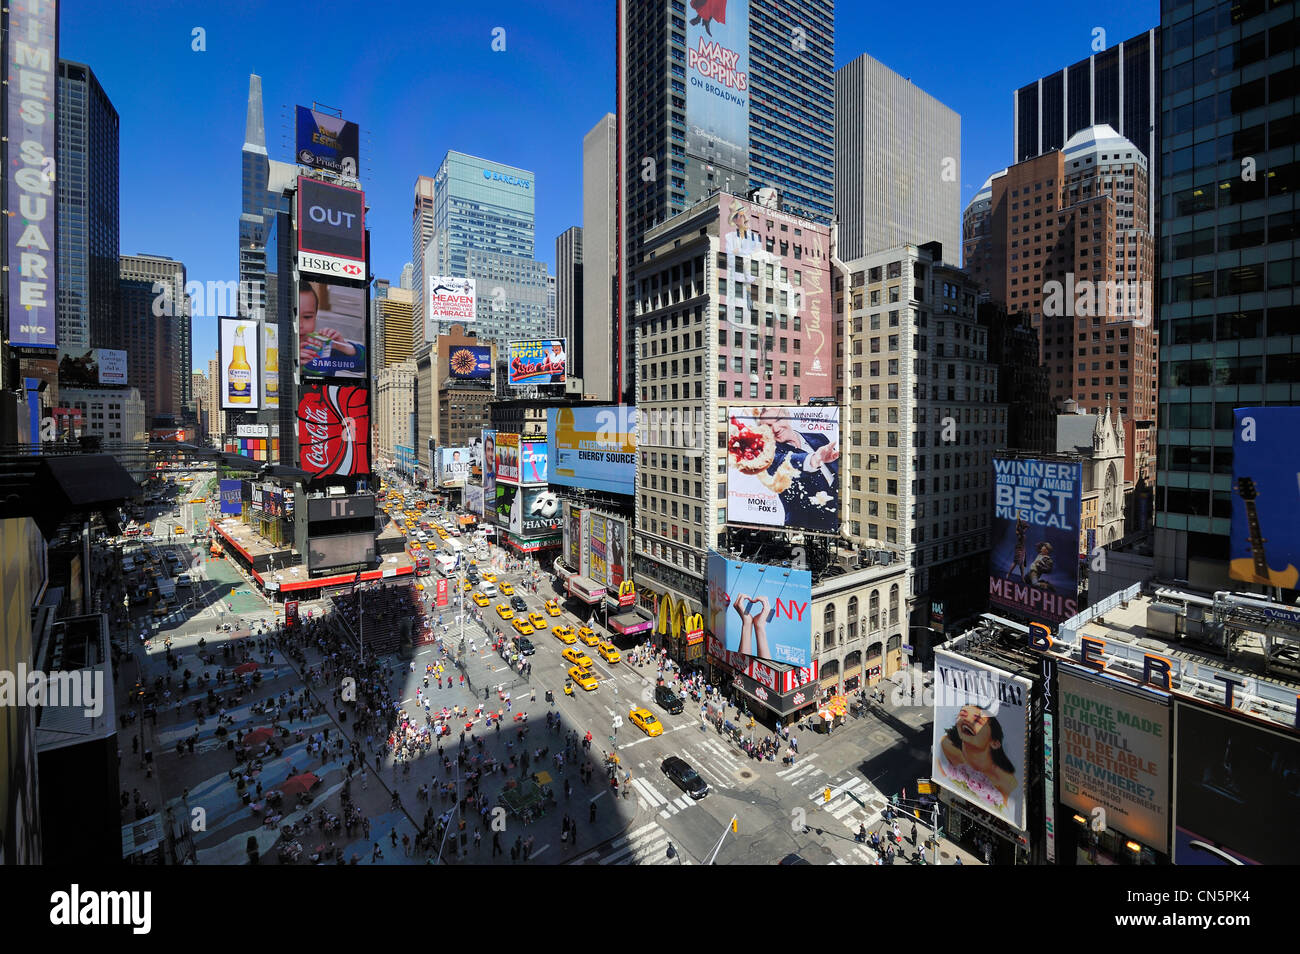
618, 722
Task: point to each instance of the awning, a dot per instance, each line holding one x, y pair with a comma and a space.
343, 578
629, 624
586, 589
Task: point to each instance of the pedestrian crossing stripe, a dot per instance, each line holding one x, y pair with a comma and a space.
648, 845
802, 773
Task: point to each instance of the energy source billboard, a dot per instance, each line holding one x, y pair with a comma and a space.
507, 457
538, 361
1265, 543
448, 298
327, 142
331, 230
532, 462
760, 610
33, 59
270, 365
231, 497
981, 718
717, 71
331, 330
592, 447
783, 467
1114, 750
334, 430
470, 363
238, 366
453, 466
1034, 563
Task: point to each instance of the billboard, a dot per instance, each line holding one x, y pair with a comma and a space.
759, 610
270, 365
331, 229
273, 502
528, 511
340, 550
783, 467
538, 361
447, 299
231, 501
33, 57
572, 543
331, 330
1115, 754
470, 363
592, 447
471, 498
93, 368
980, 735
489, 474
334, 430
507, 451
598, 555
717, 69
1034, 563
327, 142
1265, 465
615, 556
532, 462
452, 465
1236, 800
256, 500
238, 364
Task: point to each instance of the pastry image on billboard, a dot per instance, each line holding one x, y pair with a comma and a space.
751, 448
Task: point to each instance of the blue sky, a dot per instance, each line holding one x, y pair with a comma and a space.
422, 78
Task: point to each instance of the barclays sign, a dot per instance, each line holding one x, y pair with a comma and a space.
508, 180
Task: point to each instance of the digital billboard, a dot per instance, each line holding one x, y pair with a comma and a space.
232, 502
507, 457
1236, 797
447, 299
453, 465
528, 511
273, 502
532, 462
1114, 749
783, 467
33, 53
256, 500
1034, 563
471, 498
98, 366
606, 542
489, 475
331, 229
592, 447
572, 542
1265, 542
717, 70
331, 330
760, 610
270, 365
327, 142
238, 365
539, 361
334, 430
981, 718
340, 550
470, 363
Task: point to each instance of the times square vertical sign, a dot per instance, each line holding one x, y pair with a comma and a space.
32, 59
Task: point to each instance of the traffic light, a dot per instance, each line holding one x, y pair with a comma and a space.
735, 827
826, 795
893, 799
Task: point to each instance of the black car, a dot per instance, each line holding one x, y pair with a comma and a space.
518, 605
668, 700
685, 777
524, 645
794, 859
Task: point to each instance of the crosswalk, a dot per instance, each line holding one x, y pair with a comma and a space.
647, 845
651, 799
859, 856
848, 799
802, 771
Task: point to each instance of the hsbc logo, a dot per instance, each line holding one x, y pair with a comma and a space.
329, 265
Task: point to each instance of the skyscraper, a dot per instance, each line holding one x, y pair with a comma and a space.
1227, 261
157, 346
897, 163
421, 233
253, 226
397, 335
87, 209
568, 294
597, 357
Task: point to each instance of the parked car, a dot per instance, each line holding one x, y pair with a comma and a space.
668, 700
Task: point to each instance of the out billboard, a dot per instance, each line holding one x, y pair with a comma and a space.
507, 454
331, 330
334, 430
331, 229
592, 447
327, 142
340, 550
783, 468
760, 610
532, 462
232, 502
270, 365
453, 465
1114, 750
717, 71
1265, 541
538, 361
98, 366
528, 511
450, 299
1034, 563
470, 363
238, 365
981, 719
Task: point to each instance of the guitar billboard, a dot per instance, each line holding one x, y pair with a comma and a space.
1265, 541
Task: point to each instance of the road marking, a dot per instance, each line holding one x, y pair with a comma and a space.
643, 787
539, 851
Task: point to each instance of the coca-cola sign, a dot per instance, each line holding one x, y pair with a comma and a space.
334, 430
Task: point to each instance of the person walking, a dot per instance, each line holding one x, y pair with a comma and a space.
591, 816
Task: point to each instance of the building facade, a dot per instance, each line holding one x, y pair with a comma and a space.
568, 294
603, 336
462, 407
421, 234
158, 347
396, 332
118, 417
395, 408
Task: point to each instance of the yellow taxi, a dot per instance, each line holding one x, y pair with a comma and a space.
490, 577
584, 678
199, 500
415, 545
505, 612
645, 720
564, 634
522, 627
480, 600
466, 585
402, 530
506, 589
608, 652
537, 620
552, 608
587, 636
577, 657
180, 529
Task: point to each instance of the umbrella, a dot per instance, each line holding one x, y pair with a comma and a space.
256, 737
247, 667
299, 784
